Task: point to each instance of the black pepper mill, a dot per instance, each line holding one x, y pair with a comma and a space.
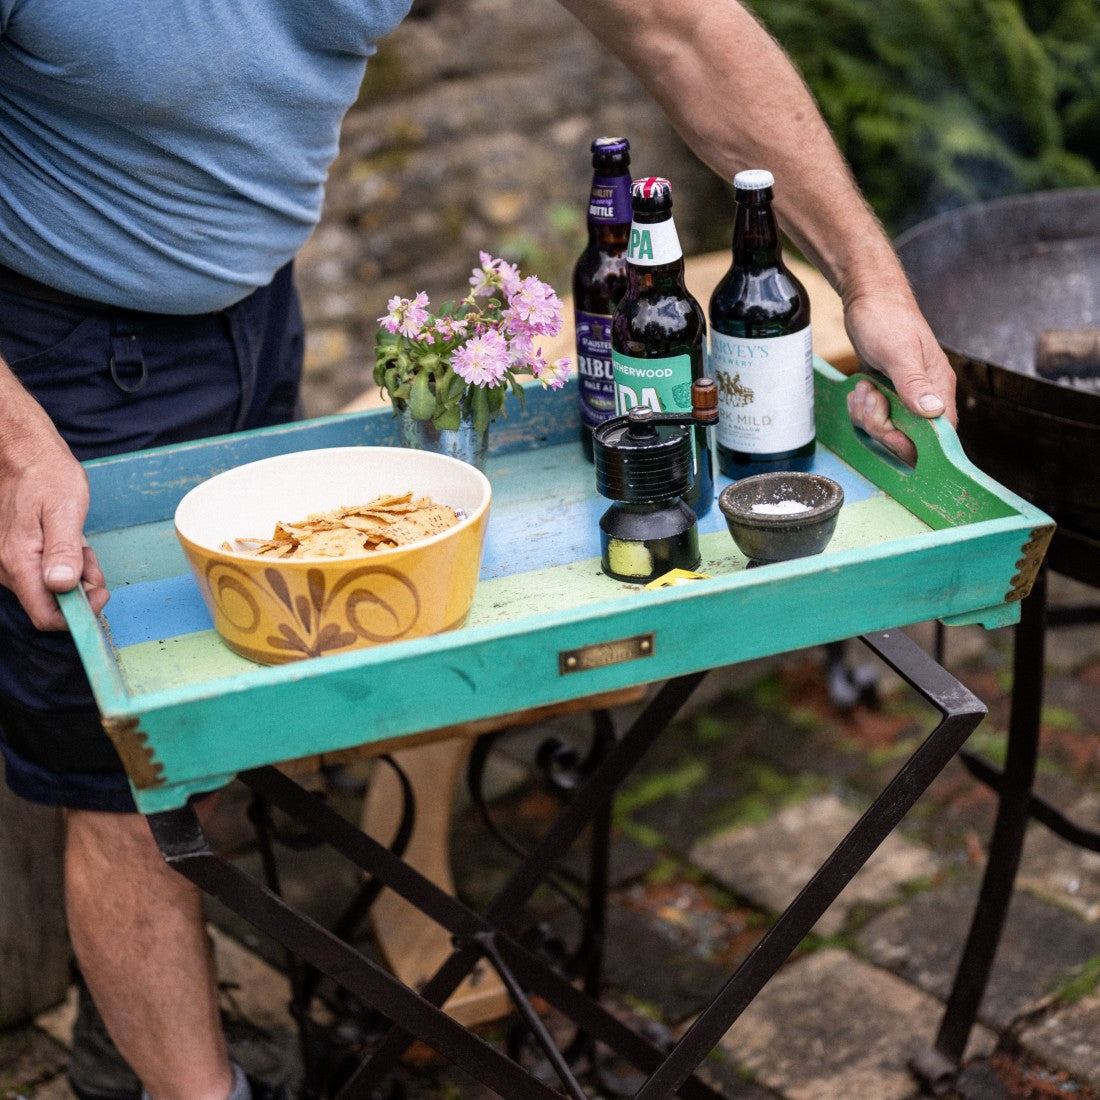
644, 463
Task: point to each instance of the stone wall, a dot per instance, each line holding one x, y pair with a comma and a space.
473, 133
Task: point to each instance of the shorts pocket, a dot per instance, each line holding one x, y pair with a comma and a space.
36, 335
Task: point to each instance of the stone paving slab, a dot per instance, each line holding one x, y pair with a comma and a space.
921, 941
28, 1057
832, 1027
768, 864
1066, 875
1068, 1038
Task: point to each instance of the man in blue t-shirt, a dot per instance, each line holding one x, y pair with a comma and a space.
161, 164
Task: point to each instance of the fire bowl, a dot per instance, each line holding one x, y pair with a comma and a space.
779, 516
275, 610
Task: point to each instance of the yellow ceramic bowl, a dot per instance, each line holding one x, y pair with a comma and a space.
279, 610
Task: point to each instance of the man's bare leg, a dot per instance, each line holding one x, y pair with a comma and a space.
138, 933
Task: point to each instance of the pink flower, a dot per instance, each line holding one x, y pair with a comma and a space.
554, 375
405, 316
446, 327
493, 275
526, 357
483, 360
534, 308
522, 352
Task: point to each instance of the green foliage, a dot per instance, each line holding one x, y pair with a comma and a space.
937, 103
1082, 982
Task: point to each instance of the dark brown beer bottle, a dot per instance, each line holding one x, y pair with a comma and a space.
599, 280
760, 345
658, 331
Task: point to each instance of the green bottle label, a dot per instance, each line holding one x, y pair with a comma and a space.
663, 384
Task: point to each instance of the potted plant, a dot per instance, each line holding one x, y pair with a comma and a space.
447, 371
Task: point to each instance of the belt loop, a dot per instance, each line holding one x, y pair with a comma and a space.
126, 353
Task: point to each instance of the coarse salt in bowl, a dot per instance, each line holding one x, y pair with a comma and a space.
782, 515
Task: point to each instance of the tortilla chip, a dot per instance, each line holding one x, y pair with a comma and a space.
384, 523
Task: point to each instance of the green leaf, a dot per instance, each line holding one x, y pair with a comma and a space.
421, 398
453, 385
479, 408
449, 419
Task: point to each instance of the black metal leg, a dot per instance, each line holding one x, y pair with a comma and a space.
596, 792
474, 935
417, 1014
962, 711
937, 1066
180, 839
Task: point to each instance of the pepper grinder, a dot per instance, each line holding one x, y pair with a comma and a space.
643, 463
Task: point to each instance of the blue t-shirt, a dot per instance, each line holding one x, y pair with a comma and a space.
171, 155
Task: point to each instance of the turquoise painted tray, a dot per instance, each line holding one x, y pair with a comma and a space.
940, 541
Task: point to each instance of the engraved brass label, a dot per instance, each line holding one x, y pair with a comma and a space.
137, 757
603, 654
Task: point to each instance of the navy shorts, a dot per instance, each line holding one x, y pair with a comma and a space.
115, 381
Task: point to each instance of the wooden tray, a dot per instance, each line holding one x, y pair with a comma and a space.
940, 541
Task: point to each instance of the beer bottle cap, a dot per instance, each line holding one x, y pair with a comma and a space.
651, 193
753, 179
610, 146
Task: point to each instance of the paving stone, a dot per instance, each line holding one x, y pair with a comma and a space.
258, 991
1061, 872
922, 940
768, 864
829, 1026
1068, 1039
56, 1088
28, 1059
645, 961
58, 1021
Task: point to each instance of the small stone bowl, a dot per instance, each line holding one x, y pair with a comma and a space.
779, 516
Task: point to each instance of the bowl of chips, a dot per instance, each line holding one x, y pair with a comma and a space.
326, 551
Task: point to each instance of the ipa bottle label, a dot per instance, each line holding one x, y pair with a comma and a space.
662, 384
765, 391
654, 244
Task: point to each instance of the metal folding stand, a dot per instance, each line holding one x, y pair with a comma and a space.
305, 979
484, 936
1017, 804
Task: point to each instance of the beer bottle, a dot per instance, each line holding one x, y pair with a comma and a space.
599, 280
658, 331
760, 345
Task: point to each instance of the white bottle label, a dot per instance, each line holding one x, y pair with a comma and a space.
653, 243
765, 391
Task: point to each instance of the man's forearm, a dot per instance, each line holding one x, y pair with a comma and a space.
738, 101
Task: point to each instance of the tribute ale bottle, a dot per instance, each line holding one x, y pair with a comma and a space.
658, 331
760, 345
599, 281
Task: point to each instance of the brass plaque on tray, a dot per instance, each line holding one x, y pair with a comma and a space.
603, 654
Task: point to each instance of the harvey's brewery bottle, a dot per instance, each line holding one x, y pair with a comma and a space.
599, 280
760, 345
658, 330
